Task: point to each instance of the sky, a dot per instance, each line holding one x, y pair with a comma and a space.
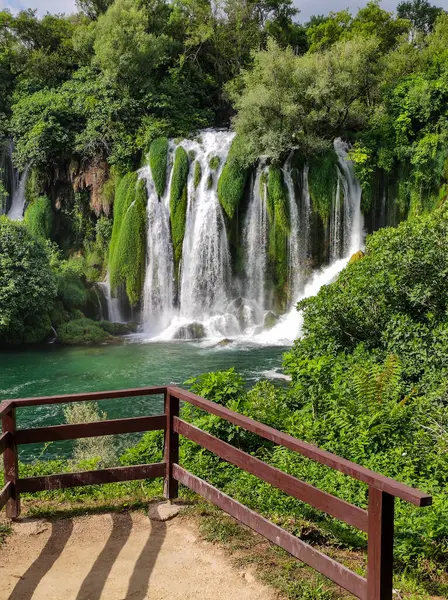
307, 7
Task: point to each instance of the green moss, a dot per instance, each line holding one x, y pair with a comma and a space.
214, 163
178, 201
191, 155
279, 227
82, 331
232, 181
209, 181
39, 218
322, 180
158, 155
128, 245
123, 198
197, 174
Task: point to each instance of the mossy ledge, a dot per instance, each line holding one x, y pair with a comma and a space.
197, 174
279, 228
232, 181
178, 201
322, 181
158, 156
39, 218
128, 251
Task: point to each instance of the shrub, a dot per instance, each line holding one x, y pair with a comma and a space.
82, 331
39, 218
158, 155
27, 285
94, 452
232, 181
178, 201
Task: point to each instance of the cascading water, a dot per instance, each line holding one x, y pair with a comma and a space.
9, 177
256, 240
205, 272
18, 199
349, 241
206, 300
113, 304
158, 288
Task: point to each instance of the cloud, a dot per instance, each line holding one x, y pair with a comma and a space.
42, 6
322, 7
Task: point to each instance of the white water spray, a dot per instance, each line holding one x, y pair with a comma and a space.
17, 209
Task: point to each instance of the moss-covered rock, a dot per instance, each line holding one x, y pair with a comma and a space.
357, 256
232, 181
197, 176
214, 162
209, 181
278, 206
39, 218
128, 247
178, 201
270, 320
82, 331
158, 155
322, 181
118, 328
192, 331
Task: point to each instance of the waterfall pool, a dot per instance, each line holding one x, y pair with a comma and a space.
51, 369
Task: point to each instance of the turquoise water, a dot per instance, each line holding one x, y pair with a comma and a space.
52, 369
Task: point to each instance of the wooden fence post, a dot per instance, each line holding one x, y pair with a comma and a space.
380, 545
171, 454
11, 466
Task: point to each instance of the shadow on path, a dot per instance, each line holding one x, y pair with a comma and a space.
26, 586
139, 581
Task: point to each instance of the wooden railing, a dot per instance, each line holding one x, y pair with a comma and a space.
377, 521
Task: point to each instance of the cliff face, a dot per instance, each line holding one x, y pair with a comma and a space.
92, 177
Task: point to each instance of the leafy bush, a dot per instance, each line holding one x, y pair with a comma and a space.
158, 154
27, 285
178, 200
232, 181
82, 331
39, 218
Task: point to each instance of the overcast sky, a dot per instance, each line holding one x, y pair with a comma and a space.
307, 7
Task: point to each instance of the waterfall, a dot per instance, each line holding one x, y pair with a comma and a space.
8, 176
113, 304
345, 241
353, 230
18, 198
256, 240
158, 290
208, 299
205, 269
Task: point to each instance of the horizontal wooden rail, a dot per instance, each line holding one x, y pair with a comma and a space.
347, 579
5, 494
380, 482
84, 430
5, 441
68, 480
84, 397
357, 517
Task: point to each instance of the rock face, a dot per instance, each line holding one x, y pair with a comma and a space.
193, 331
164, 511
270, 320
92, 176
357, 256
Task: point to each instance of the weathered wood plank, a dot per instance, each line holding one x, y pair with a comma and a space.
10, 464
88, 397
347, 579
84, 430
171, 447
380, 545
5, 494
5, 441
287, 483
373, 479
68, 480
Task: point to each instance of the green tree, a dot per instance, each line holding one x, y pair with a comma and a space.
27, 285
421, 13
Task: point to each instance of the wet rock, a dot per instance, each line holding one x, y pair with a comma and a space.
270, 320
192, 331
224, 342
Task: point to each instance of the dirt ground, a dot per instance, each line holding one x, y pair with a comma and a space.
118, 556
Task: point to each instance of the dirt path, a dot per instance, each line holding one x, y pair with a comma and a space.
117, 557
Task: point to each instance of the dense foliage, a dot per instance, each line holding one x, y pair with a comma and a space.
27, 285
